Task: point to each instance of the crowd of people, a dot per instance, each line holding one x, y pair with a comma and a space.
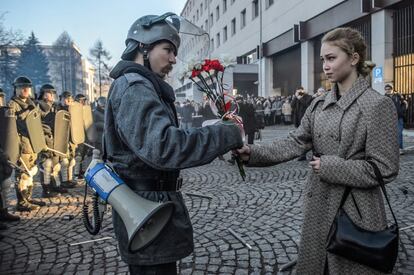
57, 171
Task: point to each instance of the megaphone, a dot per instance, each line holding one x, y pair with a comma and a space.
143, 219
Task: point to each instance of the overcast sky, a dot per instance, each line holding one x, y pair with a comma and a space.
84, 20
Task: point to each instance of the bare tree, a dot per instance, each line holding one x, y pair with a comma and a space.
60, 55
100, 56
9, 40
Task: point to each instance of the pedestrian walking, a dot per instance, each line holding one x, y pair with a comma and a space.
401, 106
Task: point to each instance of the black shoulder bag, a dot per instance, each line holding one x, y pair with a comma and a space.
377, 250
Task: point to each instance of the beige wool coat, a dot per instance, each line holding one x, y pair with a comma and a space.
361, 125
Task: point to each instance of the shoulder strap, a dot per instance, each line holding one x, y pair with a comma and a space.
382, 184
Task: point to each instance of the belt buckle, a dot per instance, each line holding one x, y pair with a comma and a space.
178, 184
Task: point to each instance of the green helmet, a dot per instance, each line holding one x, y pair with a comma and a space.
46, 88
148, 30
66, 94
22, 81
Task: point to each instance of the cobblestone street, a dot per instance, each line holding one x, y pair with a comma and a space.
265, 211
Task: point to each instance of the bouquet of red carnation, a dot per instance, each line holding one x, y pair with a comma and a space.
208, 76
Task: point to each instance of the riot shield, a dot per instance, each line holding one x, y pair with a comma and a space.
90, 130
35, 130
77, 131
62, 130
9, 138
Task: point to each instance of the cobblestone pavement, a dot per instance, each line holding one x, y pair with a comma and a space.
265, 211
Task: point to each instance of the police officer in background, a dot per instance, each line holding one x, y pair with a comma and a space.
67, 163
5, 181
47, 159
144, 143
81, 149
5, 173
21, 104
98, 121
2, 98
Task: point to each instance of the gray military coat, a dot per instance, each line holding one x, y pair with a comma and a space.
361, 125
143, 142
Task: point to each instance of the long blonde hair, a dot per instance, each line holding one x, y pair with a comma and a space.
350, 41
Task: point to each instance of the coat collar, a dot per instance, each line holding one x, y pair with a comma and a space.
359, 86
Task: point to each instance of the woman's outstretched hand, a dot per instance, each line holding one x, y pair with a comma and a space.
243, 153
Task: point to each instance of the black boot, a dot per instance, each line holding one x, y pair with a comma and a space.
3, 226
22, 204
32, 200
69, 184
5, 216
47, 192
55, 188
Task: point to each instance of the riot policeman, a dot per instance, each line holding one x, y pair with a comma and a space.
5, 173
67, 163
145, 145
47, 159
21, 104
98, 120
81, 150
2, 98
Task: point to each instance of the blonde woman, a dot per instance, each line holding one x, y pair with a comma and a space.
346, 127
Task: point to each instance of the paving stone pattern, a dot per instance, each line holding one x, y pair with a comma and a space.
265, 211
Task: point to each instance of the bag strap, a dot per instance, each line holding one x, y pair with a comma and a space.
382, 184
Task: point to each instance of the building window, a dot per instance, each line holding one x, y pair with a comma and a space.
212, 45
224, 6
218, 39
193, 18
206, 24
232, 1
225, 34
205, 4
217, 13
269, 3
243, 19
201, 9
233, 26
198, 15
202, 27
255, 9
211, 19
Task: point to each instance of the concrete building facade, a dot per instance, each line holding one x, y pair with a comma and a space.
280, 40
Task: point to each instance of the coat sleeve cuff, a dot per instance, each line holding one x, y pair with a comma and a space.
329, 168
255, 155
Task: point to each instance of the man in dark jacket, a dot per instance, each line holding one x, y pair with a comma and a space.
98, 121
401, 106
246, 112
300, 102
147, 148
187, 112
